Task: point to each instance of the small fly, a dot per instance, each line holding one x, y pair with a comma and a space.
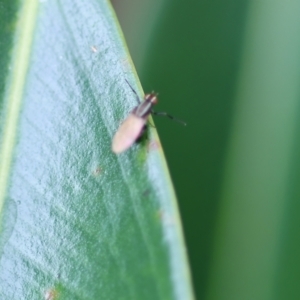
133, 126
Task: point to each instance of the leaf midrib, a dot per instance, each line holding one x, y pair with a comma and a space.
15, 87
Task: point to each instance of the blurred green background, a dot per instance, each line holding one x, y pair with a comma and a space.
231, 70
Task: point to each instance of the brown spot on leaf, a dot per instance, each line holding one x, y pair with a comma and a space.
96, 172
94, 49
154, 145
51, 294
166, 218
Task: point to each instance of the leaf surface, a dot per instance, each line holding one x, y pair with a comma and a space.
78, 221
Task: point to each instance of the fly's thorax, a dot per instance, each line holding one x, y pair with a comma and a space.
144, 109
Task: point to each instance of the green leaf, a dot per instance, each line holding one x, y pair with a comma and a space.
78, 221
254, 226
239, 88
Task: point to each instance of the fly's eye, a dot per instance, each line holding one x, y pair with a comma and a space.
154, 99
151, 98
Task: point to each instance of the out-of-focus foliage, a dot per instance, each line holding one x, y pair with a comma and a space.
231, 69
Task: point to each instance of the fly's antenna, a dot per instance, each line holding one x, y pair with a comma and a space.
165, 114
133, 90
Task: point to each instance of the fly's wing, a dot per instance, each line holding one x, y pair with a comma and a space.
128, 133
